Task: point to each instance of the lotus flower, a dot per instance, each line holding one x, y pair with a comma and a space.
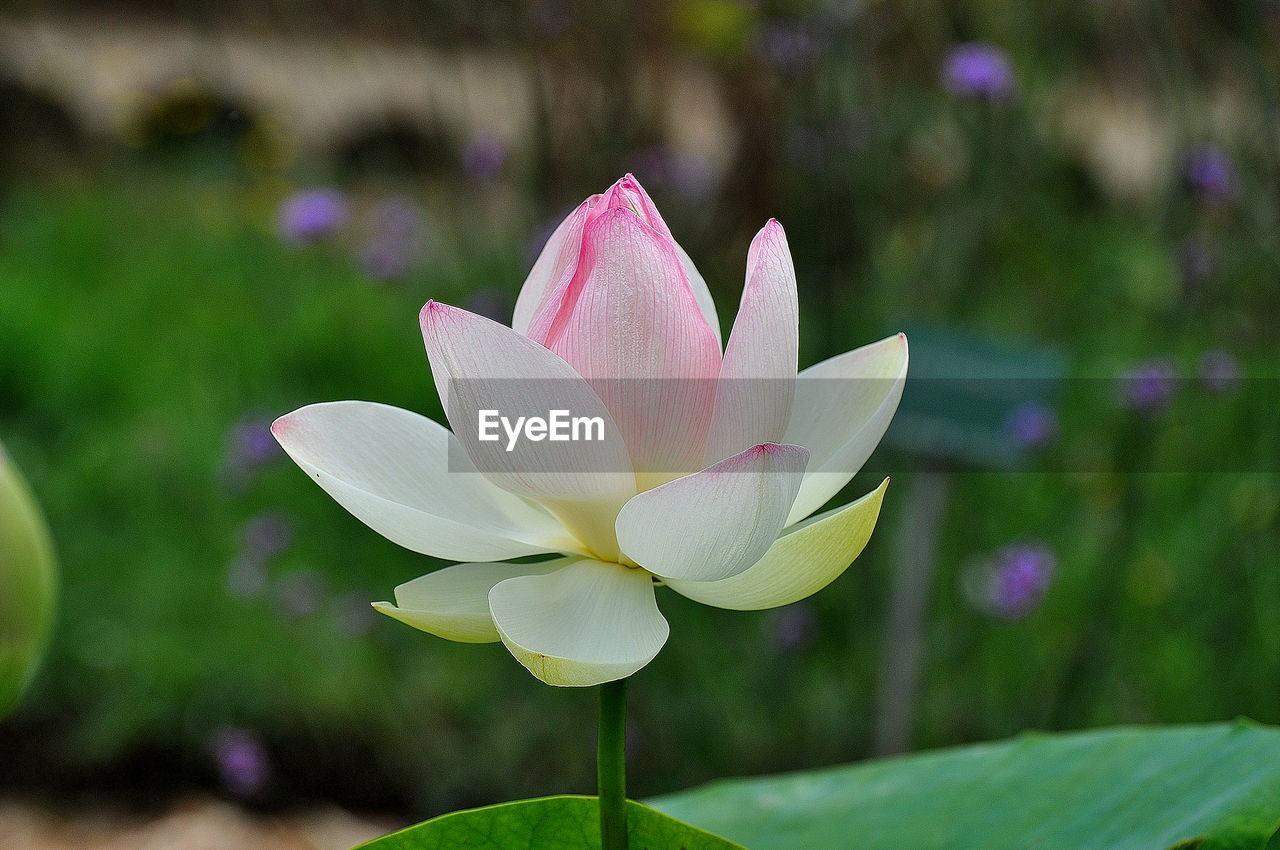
711, 463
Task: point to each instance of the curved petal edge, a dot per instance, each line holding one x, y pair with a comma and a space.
715, 523
453, 602
805, 559
587, 623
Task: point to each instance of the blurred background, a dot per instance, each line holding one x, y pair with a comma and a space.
211, 214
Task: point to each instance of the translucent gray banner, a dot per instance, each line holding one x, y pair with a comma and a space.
660, 426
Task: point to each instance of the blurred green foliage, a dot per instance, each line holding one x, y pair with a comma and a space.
151, 316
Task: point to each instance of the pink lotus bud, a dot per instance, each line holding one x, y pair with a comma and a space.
612, 295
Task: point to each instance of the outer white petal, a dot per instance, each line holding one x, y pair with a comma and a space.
390, 468
715, 523
805, 559
843, 406
479, 365
587, 623
453, 602
756, 388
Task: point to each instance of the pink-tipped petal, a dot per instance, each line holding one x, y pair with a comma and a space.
717, 522
548, 283
756, 390
627, 193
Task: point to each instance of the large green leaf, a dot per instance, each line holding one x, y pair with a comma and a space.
1194, 786
549, 823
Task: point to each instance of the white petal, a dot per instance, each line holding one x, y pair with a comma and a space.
390, 468
482, 365
587, 623
843, 406
715, 523
756, 389
806, 558
453, 602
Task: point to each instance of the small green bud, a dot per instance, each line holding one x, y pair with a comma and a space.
28, 584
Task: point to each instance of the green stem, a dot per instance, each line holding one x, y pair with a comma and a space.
611, 765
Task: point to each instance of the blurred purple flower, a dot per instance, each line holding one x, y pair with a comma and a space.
787, 45
353, 614
395, 242
1209, 174
1149, 387
241, 757
267, 534
1033, 425
301, 593
312, 215
385, 260
483, 157
1014, 581
397, 216
792, 628
1219, 372
246, 576
250, 447
1196, 259
252, 442
978, 70
263, 536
